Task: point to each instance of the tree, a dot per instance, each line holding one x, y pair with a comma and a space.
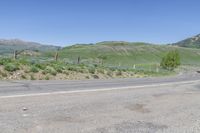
171, 60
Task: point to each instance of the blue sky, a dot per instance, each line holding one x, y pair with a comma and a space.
65, 22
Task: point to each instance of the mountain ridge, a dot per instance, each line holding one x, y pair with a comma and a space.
191, 42
9, 45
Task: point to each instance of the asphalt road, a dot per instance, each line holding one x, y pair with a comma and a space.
148, 105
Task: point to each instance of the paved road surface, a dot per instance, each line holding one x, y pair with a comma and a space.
146, 105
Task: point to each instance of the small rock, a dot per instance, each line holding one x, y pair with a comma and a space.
25, 109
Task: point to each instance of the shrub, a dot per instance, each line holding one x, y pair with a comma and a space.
81, 70
109, 73
66, 72
47, 78
32, 77
91, 70
100, 71
23, 76
95, 65
119, 73
5, 61
24, 62
70, 68
40, 66
11, 67
50, 70
32, 62
87, 77
171, 60
95, 76
54, 72
112, 69
58, 68
44, 72
34, 69
3, 74
82, 66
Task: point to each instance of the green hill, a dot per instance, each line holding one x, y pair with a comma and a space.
126, 54
110, 53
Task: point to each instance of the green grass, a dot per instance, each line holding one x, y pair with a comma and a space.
127, 54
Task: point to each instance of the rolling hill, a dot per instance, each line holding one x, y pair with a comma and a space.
8, 46
127, 54
192, 42
111, 53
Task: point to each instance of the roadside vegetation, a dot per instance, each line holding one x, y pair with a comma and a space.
24, 69
98, 61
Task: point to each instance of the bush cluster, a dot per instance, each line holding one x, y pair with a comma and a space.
171, 60
5, 61
11, 67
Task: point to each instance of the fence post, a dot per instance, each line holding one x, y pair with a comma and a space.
15, 55
157, 69
56, 56
134, 66
79, 59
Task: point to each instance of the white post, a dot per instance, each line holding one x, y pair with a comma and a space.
157, 68
134, 66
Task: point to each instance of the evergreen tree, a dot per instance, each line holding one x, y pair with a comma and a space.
171, 60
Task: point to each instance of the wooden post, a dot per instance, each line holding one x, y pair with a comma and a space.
79, 59
56, 56
15, 55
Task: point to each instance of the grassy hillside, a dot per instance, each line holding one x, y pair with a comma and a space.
126, 54
102, 60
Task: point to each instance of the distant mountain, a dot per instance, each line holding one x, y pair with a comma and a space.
8, 46
192, 42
